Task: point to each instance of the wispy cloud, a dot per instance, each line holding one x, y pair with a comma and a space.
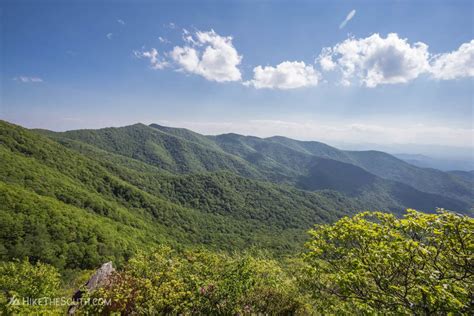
163, 40
347, 19
120, 21
155, 61
26, 79
170, 25
109, 35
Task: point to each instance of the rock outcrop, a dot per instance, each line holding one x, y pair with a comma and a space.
100, 278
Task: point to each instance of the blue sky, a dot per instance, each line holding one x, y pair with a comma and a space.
252, 67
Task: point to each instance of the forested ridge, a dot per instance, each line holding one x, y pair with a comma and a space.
74, 200
220, 210
277, 159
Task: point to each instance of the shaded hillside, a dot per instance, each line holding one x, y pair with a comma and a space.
339, 176
466, 175
388, 167
357, 182
427, 180
443, 164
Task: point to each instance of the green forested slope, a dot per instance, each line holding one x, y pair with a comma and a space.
217, 192
389, 167
305, 165
46, 229
117, 190
162, 149
357, 182
424, 179
187, 135
75, 210
286, 157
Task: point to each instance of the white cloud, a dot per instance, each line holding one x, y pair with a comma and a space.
163, 40
120, 21
188, 38
187, 58
155, 61
347, 19
370, 61
457, 64
286, 75
325, 59
376, 60
26, 79
210, 55
109, 35
204, 53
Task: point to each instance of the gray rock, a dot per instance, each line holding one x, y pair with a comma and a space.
100, 278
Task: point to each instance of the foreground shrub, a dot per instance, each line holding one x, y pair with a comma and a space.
23, 284
199, 282
377, 263
370, 264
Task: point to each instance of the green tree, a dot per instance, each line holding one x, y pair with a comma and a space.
199, 282
377, 263
22, 282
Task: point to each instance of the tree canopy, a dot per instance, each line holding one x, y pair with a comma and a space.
376, 262
371, 263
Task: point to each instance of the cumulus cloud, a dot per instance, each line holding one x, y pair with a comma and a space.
349, 17
187, 58
155, 61
26, 79
325, 59
371, 61
204, 53
376, 60
286, 75
120, 21
457, 64
208, 54
109, 35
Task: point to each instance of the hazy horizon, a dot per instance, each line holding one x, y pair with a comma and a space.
445, 153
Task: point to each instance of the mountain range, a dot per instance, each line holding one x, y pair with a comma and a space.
77, 198
444, 164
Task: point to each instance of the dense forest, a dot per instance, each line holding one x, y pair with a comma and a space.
372, 263
218, 224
